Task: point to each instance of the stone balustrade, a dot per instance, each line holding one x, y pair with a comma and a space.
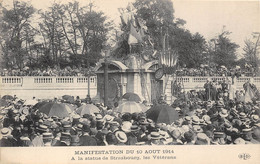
47, 86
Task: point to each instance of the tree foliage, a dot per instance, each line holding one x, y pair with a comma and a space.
17, 34
251, 50
161, 23
224, 52
64, 34
159, 16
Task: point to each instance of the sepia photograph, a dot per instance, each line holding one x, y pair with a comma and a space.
123, 81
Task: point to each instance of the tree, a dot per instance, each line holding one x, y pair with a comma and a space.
166, 32
16, 33
251, 51
224, 52
78, 33
54, 42
159, 16
191, 47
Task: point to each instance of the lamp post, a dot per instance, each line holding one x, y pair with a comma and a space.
88, 79
105, 80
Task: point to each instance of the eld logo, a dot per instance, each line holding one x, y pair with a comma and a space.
244, 156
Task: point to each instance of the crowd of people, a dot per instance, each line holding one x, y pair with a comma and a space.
206, 70
203, 70
67, 71
202, 121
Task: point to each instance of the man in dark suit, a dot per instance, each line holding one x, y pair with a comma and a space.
207, 87
86, 139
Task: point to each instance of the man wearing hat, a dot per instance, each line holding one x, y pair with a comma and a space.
86, 139
155, 138
47, 139
202, 139
65, 139
132, 136
142, 137
189, 138
37, 140
219, 138
100, 135
114, 126
111, 139
247, 136
121, 137
176, 137
6, 140
207, 87
75, 140
25, 141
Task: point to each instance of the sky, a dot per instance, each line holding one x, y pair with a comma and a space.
205, 17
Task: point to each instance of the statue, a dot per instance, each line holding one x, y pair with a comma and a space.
135, 34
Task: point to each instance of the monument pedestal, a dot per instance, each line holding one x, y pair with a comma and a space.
130, 77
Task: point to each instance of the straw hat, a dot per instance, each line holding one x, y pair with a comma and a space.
239, 141
134, 128
255, 118
6, 132
242, 115
187, 118
109, 118
155, 135
197, 129
195, 120
140, 143
178, 109
47, 135
76, 117
1, 118
218, 134
99, 117
202, 139
223, 113
121, 136
42, 128
126, 126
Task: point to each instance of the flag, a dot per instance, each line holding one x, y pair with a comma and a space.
174, 59
134, 36
132, 40
249, 94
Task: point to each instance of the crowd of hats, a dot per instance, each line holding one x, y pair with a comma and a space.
216, 71
203, 70
67, 71
204, 123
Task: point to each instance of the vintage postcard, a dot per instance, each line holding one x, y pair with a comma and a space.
129, 81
